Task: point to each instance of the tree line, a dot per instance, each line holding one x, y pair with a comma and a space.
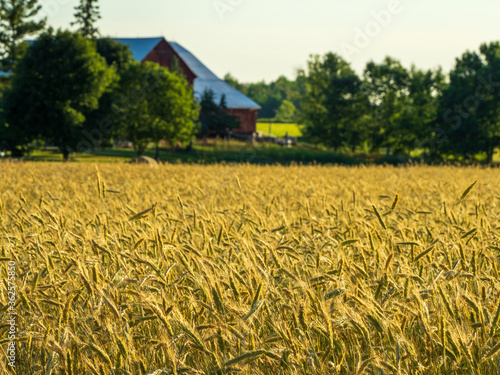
392, 108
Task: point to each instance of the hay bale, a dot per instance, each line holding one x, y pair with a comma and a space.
143, 160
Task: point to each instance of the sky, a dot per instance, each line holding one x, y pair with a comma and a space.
259, 40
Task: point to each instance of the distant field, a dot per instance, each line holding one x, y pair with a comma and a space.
279, 130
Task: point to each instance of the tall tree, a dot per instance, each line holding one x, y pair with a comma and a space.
60, 78
155, 104
387, 87
489, 97
334, 103
87, 14
469, 111
418, 118
117, 56
17, 22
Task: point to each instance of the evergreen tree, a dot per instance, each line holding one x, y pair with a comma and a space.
215, 120
17, 22
87, 14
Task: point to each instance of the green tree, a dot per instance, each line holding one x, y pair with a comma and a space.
469, 110
60, 78
99, 122
115, 53
420, 110
12, 139
387, 87
334, 104
87, 14
214, 119
489, 97
403, 106
262, 94
18, 20
285, 112
155, 104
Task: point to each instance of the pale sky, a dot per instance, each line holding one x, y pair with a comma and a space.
262, 39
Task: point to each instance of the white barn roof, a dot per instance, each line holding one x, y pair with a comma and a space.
205, 78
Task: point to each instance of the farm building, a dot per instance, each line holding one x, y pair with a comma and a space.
160, 51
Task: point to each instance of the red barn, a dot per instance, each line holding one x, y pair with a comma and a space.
164, 53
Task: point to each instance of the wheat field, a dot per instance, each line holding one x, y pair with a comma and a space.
246, 269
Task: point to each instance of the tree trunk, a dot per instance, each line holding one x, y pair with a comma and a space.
65, 153
157, 154
139, 148
489, 155
16, 152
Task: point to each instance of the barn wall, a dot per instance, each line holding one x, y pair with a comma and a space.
248, 119
163, 54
